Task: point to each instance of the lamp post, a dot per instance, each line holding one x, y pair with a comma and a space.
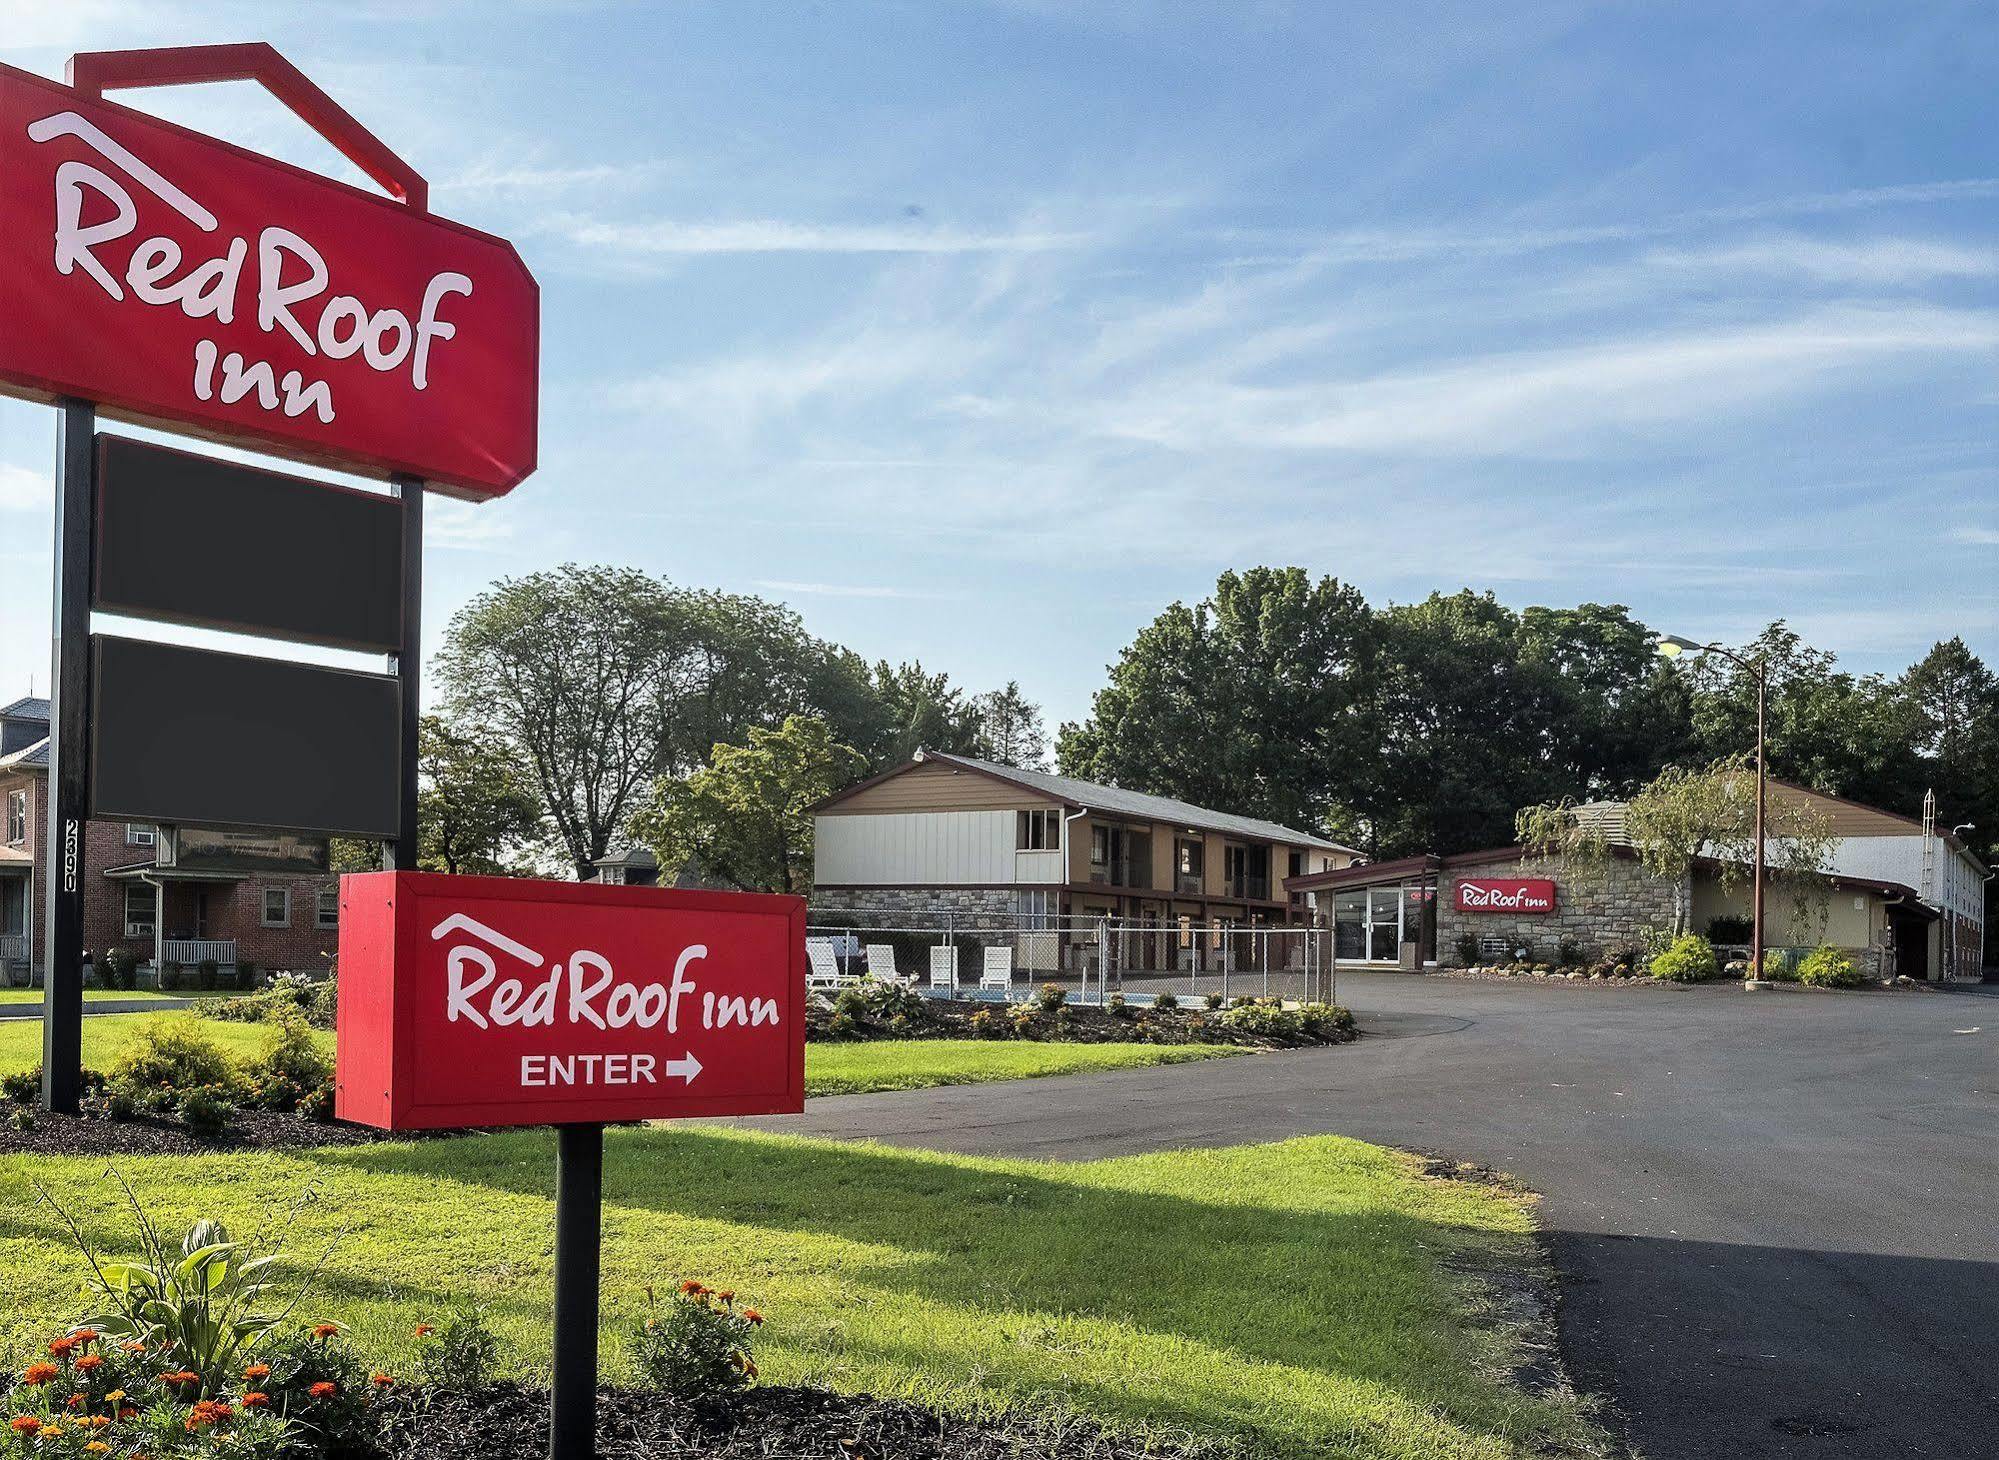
1672, 646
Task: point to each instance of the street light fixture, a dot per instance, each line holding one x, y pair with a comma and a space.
1672, 646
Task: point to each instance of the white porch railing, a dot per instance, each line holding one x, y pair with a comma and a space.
13, 947
189, 952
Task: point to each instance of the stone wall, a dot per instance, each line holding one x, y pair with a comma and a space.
970, 903
1598, 906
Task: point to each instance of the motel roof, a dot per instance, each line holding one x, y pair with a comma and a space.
29, 707
28, 757
1111, 800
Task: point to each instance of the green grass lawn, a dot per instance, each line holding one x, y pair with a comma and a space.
830, 1069
34, 996
1298, 1296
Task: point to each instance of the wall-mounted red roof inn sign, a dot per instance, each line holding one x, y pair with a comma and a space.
181, 282
1506, 895
493, 1001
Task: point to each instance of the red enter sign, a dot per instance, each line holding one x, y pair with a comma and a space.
1506, 895
480, 1001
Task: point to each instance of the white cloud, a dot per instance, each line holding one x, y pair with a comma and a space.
451, 523
1976, 536
491, 177
668, 236
22, 490
1543, 401
1872, 261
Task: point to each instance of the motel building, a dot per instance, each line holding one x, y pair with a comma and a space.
984, 844
1902, 897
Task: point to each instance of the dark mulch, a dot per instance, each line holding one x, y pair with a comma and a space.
165, 1135
774, 1423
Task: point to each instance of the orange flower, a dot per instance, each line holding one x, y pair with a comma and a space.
114, 1396
727, 1295
254, 1400
180, 1376
98, 1421
85, 1335
62, 1347
24, 1424
692, 1288
97, 1447
257, 1371
133, 1346
424, 1330
127, 1411
39, 1373
325, 1330
89, 1362
208, 1412
380, 1381
324, 1389
76, 1401
752, 1317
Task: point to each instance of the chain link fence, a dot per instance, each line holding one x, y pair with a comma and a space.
994, 956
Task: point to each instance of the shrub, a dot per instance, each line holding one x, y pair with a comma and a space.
460, 1354
119, 968
318, 1105
1214, 1001
170, 973
1326, 1021
21, 1087
1264, 1019
986, 1025
697, 1344
175, 1053
289, 1068
1468, 953
207, 1111
246, 974
1825, 967
1117, 1007
1568, 953
1165, 1001
1052, 997
318, 1383
1022, 1017
1730, 928
205, 974
1688, 959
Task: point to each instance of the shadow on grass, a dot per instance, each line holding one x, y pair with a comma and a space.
1223, 1258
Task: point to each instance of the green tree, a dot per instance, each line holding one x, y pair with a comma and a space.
1251, 701
570, 670
1010, 729
921, 711
477, 811
746, 817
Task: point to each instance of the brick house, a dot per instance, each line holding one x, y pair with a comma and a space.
264, 898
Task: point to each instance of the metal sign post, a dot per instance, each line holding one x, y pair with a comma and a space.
579, 1220
69, 760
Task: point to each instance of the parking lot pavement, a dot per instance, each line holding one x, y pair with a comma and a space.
1773, 1214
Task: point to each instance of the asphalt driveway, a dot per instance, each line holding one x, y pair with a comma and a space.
1775, 1216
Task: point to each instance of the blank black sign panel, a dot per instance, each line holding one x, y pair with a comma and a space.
194, 737
191, 540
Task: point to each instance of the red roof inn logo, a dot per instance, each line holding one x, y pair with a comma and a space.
1506, 895
176, 280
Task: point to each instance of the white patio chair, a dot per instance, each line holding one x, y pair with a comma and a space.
998, 970
881, 963
944, 966
824, 972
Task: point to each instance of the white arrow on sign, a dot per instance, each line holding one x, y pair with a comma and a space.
687, 1068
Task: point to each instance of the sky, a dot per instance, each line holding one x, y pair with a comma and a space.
980, 332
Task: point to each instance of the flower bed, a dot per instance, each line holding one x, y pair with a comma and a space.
874, 1010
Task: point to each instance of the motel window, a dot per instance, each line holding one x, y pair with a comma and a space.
1350, 925
1189, 856
1038, 831
277, 907
1186, 931
1035, 910
1297, 865
141, 909
139, 834
17, 817
326, 912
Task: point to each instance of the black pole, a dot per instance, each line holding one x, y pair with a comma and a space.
69, 758
402, 852
579, 1210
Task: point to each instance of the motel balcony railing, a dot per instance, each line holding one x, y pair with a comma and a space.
13, 948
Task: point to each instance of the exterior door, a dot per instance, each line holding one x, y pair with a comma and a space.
1912, 945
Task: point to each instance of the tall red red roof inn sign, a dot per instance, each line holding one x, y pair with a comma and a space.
175, 280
